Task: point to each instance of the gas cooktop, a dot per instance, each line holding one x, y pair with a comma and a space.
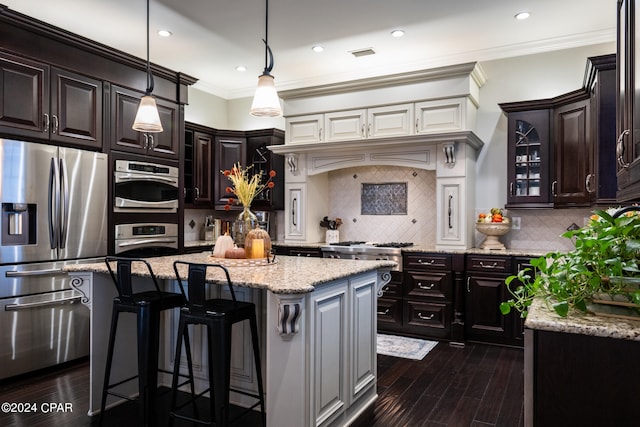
377, 245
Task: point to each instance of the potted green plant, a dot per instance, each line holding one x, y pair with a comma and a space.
604, 262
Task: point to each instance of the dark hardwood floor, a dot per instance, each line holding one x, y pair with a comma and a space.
478, 385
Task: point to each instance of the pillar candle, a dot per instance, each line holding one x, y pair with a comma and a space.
257, 248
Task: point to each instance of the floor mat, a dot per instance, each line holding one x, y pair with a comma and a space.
408, 348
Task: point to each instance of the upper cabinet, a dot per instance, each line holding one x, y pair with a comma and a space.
230, 149
46, 103
198, 165
124, 105
263, 161
528, 158
560, 150
389, 121
628, 122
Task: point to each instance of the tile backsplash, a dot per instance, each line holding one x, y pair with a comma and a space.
417, 226
541, 229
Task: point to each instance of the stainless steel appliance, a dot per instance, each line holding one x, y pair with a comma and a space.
391, 251
145, 238
54, 211
145, 187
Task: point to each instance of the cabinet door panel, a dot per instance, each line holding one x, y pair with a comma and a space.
228, 152
124, 106
345, 125
24, 96
203, 177
395, 120
304, 129
484, 321
76, 109
573, 154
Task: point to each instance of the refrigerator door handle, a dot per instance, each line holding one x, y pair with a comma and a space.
53, 197
27, 273
64, 208
46, 303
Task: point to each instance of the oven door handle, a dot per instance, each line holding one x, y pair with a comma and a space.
121, 178
39, 304
145, 242
28, 273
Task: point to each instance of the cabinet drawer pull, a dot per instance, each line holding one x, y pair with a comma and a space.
483, 265
417, 125
382, 313
429, 317
426, 287
428, 262
587, 183
46, 123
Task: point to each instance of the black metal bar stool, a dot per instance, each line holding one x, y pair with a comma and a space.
218, 315
147, 307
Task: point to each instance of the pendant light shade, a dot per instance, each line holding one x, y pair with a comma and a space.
266, 102
147, 118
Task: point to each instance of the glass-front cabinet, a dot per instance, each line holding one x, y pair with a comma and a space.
528, 158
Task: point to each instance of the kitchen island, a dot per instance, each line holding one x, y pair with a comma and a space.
581, 370
317, 321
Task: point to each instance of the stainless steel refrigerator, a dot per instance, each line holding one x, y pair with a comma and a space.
54, 211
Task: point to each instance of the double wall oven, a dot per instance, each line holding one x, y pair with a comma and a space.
145, 206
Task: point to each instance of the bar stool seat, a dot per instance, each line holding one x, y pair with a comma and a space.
217, 315
147, 306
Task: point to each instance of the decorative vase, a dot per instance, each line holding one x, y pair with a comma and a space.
245, 222
332, 236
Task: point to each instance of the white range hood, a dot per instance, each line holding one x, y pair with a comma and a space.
426, 123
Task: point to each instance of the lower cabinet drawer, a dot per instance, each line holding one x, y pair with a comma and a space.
389, 314
428, 318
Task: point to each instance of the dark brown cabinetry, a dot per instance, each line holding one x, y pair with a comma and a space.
560, 150
580, 380
124, 105
297, 251
390, 305
528, 158
230, 149
485, 291
46, 103
428, 294
198, 165
628, 115
574, 177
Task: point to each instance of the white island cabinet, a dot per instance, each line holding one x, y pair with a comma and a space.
317, 322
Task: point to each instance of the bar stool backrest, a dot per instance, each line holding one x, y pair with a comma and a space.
122, 279
197, 283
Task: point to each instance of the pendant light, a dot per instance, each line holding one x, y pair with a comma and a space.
265, 101
147, 118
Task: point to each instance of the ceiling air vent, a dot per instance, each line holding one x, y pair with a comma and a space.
363, 52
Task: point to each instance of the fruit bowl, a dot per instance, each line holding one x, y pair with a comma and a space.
493, 230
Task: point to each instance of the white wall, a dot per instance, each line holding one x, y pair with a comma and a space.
206, 109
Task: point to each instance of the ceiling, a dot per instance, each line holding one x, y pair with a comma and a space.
211, 37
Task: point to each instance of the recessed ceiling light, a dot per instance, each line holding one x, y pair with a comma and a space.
522, 16
397, 33
241, 68
164, 33
317, 48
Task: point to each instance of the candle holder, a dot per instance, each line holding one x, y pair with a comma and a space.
257, 244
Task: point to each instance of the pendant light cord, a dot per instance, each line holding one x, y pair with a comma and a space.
150, 82
268, 55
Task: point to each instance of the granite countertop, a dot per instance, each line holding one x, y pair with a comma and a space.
542, 318
288, 275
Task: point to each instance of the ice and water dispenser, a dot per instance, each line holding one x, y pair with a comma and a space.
18, 224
